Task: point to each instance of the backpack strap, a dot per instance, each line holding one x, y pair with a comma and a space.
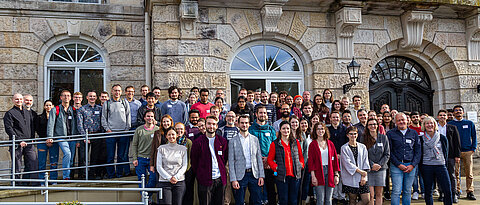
57, 109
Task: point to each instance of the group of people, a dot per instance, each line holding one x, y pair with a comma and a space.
290, 149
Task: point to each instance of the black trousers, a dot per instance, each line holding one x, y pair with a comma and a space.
189, 187
211, 195
30, 159
172, 194
270, 185
451, 174
98, 155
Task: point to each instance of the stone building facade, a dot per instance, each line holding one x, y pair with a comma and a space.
203, 43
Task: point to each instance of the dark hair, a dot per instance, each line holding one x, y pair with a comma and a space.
314, 135
237, 108
243, 116
449, 110
116, 86
105, 92
283, 92
361, 110
351, 128
337, 113
391, 125
368, 139
168, 129
44, 103
331, 95
218, 98
342, 107
65, 91
346, 111
211, 117
204, 90
356, 96
414, 113
291, 138
147, 111
442, 110
458, 106
316, 107
277, 104
150, 95
171, 88
193, 111
194, 88
298, 132
143, 86
156, 88
130, 86
260, 107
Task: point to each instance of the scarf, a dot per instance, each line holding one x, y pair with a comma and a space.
430, 144
182, 141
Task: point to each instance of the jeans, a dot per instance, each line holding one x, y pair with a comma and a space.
305, 183
142, 168
119, 145
401, 184
269, 188
418, 179
42, 159
440, 173
172, 194
324, 193
68, 149
252, 184
288, 190
211, 195
189, 185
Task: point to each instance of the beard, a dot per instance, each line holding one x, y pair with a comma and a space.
210, 132
285, 114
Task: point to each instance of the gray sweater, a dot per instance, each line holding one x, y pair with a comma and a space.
176, 109
116, 115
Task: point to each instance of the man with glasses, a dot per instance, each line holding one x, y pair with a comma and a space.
285, 115
468, 145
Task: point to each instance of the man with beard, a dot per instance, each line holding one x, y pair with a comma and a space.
174, 107
266, 135
228, 132
272, 117
285, 115
203, 106
211, 151
191, 129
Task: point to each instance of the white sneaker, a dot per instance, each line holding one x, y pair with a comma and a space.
415, 196
435, 193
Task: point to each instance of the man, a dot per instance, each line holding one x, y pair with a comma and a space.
134, 105
257, 96
191, 129
285, 115
89, 119
415, 120
307, 110
104, 96
28, 102
384, 108
293, 110
215, 111
116, 117
347, 118
221, 94
357, 105
201, 128
208, 158
281, 97
62, 122
144, 89
450, 116
415, 124
158, 94
404, 158
19, 124
451, 132
250, 97
345, 103
362, 124
203, 106
229, 130
141, 148
338, 135
306, 96
468, 145
174, 107
289, 100
272, 117
77, 100
266, 135
243, 92
246, 165
151, 99
195, 90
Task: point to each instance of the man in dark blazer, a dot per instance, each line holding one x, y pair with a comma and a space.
451, 132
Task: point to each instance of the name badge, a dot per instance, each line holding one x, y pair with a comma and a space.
267, 134
169, 105
380, 144
208, 111
190, 134
324, 115
465, 127
333, 158
96, 112
422, 133
269, 111
408, 141
220, 153
69, 117
151, 135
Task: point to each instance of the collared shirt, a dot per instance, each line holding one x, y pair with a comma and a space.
246, 150
442, 129
134, 105
404, 146
215, 169
89, 117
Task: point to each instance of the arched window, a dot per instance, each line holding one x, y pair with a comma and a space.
75, 66
266, 65
399, 69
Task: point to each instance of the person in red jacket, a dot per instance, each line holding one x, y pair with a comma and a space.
323, 164
203, 106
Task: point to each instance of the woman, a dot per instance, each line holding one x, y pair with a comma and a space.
52, 148
324, 114
306, 140
327, 98
219, 103
323, 164
242, 108
315, 119
273, 99
182, 139
354, 159
298, 101
373, 115
192, 99
159, 138
337, 106
296, 131
378, 155
387, 121
317, 101
172, 162
434, 159
286, 160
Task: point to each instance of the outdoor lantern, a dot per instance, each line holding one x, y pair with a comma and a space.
353, 70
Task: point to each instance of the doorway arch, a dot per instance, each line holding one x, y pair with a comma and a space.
401, 83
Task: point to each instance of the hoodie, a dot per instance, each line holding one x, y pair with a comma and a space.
265, 134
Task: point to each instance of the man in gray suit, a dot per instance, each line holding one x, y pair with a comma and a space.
246, 165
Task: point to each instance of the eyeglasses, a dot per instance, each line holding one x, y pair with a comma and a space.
352, 133
372, 124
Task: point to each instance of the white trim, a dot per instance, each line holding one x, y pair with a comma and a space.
270, 81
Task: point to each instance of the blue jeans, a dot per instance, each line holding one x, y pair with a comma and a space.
252, 184
288, 190
42, 159
68, 149
142, 168
418, 179
440, 173
324, 193
118, 144
305, 182
401, 184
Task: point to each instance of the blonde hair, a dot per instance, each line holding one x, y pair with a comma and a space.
429, 119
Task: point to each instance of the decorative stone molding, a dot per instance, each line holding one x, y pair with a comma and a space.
473, 39
271, 13
73, 27
347, 20
413, 24
188, 11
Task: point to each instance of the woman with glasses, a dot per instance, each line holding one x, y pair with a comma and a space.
378, 155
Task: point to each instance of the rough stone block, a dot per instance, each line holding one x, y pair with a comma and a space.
254, 21
119, 43
105, 30
9, 23
6, 87
30, 41
431, 50
169, 64
311, 37
457, 53
18, 71
327, 35
324, 66
212, 64
9, 40
127, 73
193, 47
285, 22
298, 27
441, 59
17, 55
165, 13
320, 51
372, 22
41, 29
165, 47
430, 29
193, 64
318, 19
166, 30
227, 34
203, 15
138, 29
363, 36
469, 81
88, 27
58, 26
206, 31
394, 27
219, 49
381, 38
24, 86
451, 25
239, 22
217, 15
5, 103
130, 58
123, 28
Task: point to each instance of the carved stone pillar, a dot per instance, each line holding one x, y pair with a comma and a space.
347, 20
188, 16
271, 13
413, 23
473, 39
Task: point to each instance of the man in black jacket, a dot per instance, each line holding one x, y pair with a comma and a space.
451, 132
19, 122
151, 99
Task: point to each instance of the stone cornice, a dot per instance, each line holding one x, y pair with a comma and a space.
271, 13
413, 24
347, 19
